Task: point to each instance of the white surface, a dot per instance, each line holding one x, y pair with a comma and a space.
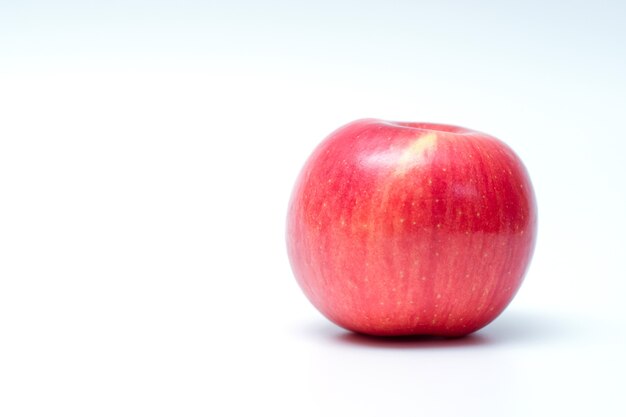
147, 153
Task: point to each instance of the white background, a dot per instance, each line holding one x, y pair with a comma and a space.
147, 154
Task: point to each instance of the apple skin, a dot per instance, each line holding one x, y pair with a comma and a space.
398, 228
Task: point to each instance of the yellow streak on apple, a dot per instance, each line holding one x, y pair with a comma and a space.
416, 151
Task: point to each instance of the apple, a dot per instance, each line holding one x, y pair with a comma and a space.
397, 228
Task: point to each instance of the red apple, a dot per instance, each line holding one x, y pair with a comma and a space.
411, 228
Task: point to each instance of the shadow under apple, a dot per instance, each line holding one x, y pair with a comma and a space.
513, 327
